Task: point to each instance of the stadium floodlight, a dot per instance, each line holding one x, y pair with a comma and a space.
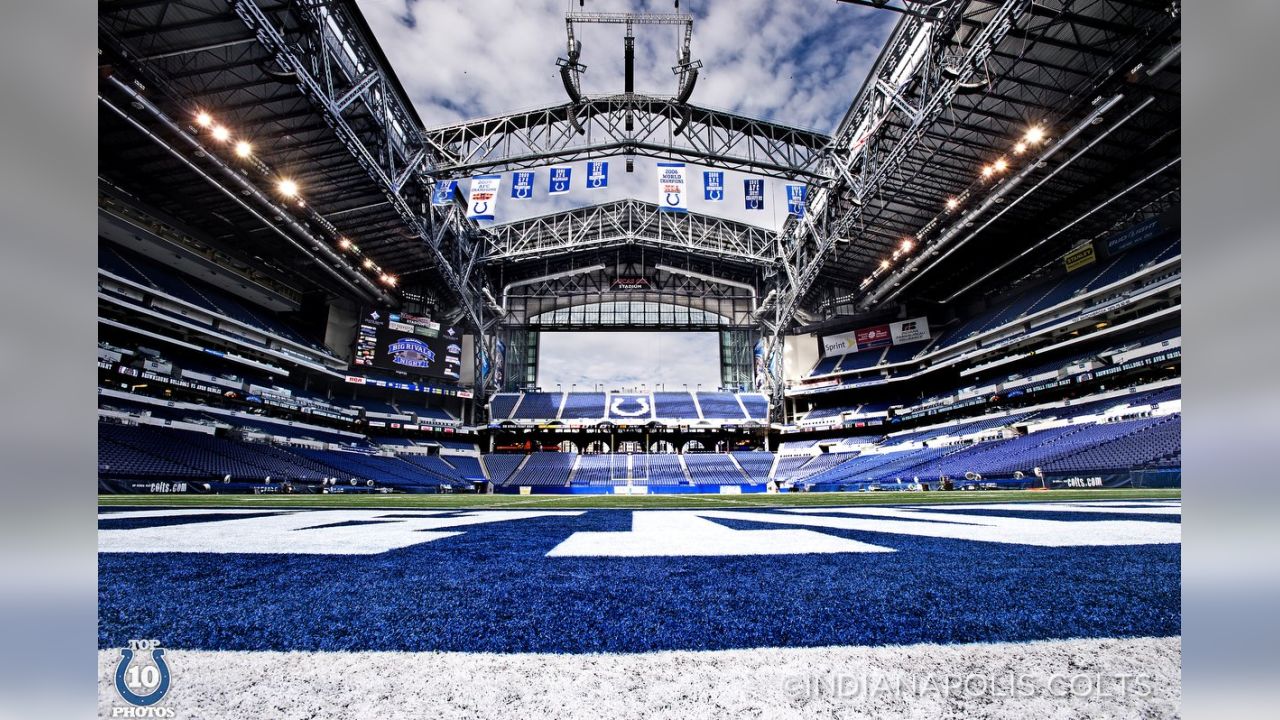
368, 263
884, 264
988, 171
287, 187
344, 243
204, 119
907, 244
953, 203
244, 149
389, 279
1001, 165
221, 134
1034, 136
1020, 148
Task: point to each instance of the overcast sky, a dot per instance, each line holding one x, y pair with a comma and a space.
629, 359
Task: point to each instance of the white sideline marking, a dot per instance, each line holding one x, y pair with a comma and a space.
300, 534
1146, 509
684, 533
983, 528
131, 514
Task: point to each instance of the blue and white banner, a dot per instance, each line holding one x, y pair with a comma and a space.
559, 181
484, 197
522, 185
713, 185
753, 188
443, 194
796, 197
671, 188
597, 174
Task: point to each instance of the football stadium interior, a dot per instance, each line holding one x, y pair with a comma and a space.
627, 373
975, 278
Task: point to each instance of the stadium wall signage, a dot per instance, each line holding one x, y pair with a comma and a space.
623, 284
877, 336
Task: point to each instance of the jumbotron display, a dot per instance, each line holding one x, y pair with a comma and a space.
411, 343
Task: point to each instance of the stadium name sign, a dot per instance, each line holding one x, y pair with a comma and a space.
624, 284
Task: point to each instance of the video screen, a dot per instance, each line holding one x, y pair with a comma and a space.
411, 343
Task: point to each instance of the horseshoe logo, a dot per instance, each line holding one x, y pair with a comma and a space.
480, 208
122, 687
673, 202
715, 195
520, 192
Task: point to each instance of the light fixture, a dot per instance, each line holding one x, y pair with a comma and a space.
244, 149
988, 171
221, 134
953, 203
389, 279
1001, 165
287, 187
907, 245
1034, 135
1020, 148
884, 264
203, 119
344, 243
368, 263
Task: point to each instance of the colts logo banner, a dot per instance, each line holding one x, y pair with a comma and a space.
671, 195
559, 183
796, 195
443, 194
142, 684
484, 197
753, 188
713, 186
522, 185
597, 174
411, 352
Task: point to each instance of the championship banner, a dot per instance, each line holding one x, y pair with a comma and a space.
443, 194
754, 190
597, 174
484, 197
713, 186
522, 185
559, 181
796, 196
671, 195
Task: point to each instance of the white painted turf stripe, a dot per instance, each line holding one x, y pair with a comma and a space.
776, 683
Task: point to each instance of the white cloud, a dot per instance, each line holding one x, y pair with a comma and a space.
797, 63
628, 360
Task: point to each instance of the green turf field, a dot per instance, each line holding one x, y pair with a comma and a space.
624, 502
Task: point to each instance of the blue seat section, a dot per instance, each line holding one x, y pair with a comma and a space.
501, 405
1048, 294
674, 406
860, 360
1139, 445
756, 464
427, 412
713, 469
657, 469
457, 444
826, 365
539, 406
903, 353
601, 469
583, 406
384, 470
142, 451
141, 270
501, 466
544, 468
437, 468
757, 406
465, 466
720, 406
831, 412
